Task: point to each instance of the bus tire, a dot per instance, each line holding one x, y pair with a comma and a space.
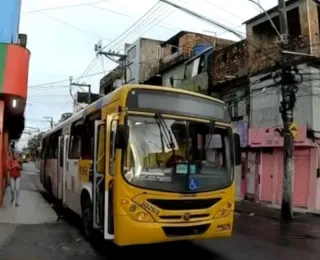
87, 217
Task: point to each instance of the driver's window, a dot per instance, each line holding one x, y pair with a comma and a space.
113, 131
214, 150
101, 154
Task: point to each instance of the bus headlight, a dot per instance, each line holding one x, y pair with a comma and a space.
225, 210
136, 212
141, 215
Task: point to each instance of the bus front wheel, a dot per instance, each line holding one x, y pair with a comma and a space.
87, 218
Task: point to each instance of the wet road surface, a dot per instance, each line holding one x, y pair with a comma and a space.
254, 238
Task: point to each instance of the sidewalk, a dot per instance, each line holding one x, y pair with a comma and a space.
33, 208
268, 210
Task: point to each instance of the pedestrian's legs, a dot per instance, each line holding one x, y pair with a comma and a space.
17, 188
12, 188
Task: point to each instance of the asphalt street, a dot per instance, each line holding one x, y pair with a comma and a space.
254, 238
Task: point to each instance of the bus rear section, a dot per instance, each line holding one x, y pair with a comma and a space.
168, 174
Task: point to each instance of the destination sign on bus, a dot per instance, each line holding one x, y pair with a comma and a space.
176, 103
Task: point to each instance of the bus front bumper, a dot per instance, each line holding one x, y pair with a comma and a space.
130, 232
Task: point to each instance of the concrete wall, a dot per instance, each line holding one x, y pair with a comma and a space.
149, 63
176, 72
198, 83
133, 69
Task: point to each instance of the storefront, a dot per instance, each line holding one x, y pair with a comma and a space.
269, 176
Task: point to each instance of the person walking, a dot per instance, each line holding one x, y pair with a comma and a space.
15, 177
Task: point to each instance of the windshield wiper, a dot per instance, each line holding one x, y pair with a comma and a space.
164, 131
161, 135
210, 133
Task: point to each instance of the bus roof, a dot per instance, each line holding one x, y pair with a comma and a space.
117, 94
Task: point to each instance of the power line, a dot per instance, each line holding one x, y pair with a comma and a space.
122, 35
48, 84
132, 26
74, 27
55, 8
148, 23
132, 17
224, 10
161, 25
137, 26
201, 17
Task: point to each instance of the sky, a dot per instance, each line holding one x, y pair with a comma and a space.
62, 35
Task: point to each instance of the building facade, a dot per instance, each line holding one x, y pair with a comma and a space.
244, 76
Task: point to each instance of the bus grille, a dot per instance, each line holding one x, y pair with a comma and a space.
184, 204
186, 231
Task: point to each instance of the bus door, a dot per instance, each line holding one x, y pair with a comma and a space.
99, 174
112, 123
65, 153
60, 172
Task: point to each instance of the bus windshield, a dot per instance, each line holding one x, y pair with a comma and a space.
177, 155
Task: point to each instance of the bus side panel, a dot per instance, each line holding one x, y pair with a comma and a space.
47, 175
54, 176
72, 186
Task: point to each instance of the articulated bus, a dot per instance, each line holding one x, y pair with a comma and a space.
146, 164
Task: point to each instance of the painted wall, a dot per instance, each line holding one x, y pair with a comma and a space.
14, 60
9, 20
268, 137
305, 184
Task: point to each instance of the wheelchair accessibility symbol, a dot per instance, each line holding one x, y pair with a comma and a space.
193, 184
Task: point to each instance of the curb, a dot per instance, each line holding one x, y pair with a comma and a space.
278, 218
257, 214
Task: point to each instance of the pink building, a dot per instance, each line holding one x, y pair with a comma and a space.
264, 172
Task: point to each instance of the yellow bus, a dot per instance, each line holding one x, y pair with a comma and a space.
146, 164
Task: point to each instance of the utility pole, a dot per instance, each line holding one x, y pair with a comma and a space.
288, 91
82, 85
50, 119
109, 54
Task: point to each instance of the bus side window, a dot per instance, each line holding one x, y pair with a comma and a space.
87, 141
101, 151
75, 143
61, 153
112, 150
74, 152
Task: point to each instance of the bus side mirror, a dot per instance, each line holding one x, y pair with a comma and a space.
237, 149
122, 137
